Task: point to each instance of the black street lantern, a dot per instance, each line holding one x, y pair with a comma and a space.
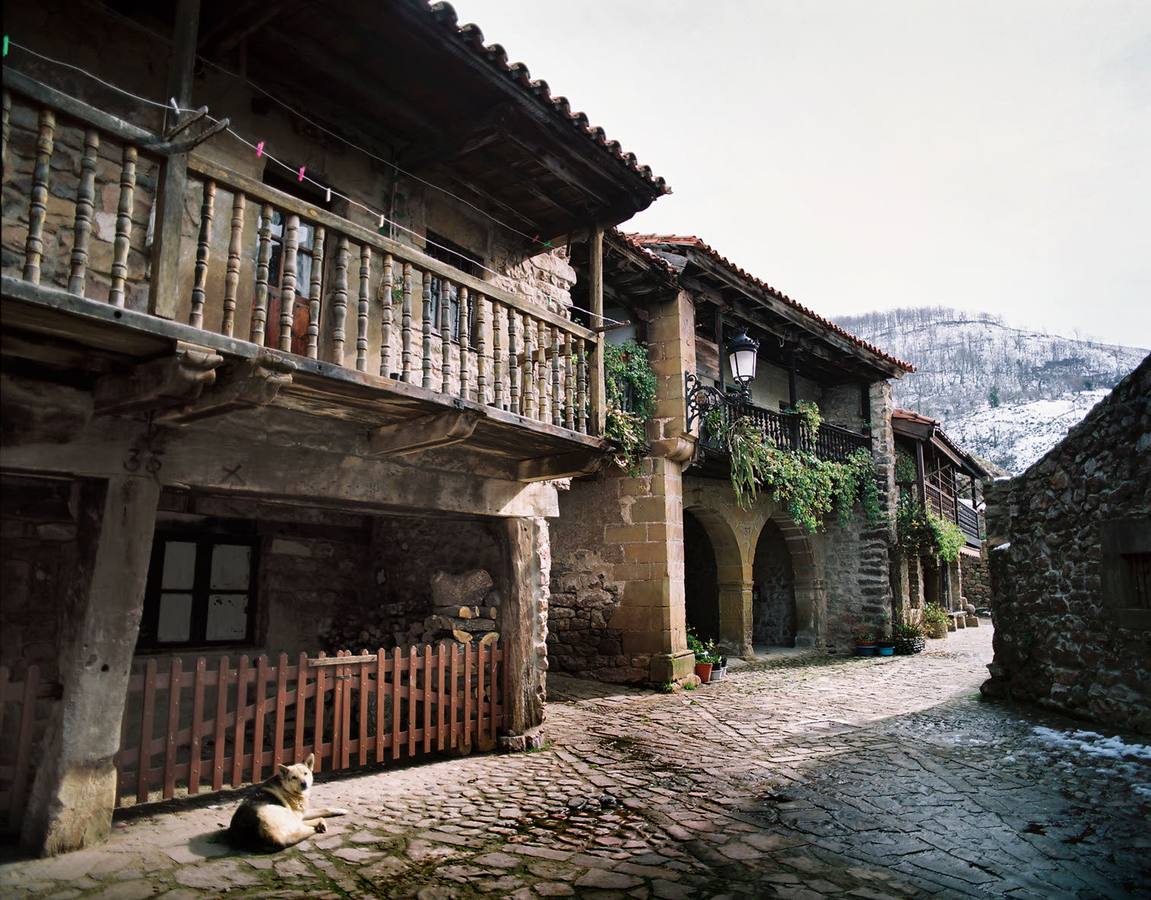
741, 354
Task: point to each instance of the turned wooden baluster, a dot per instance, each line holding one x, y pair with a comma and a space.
7, 131
445, 336
557, 390
340, 301
263, 256
123, 240
38, 200
426, 360
203, 252
543, 409
291, 246
364, 308
85, 203
528, 375
497, 356
386, 288
513, 361
315, 293
465, 340
232, 275
569, 382
581, 386
406, 325
481, 349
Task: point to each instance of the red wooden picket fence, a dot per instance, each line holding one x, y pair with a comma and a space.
225, 726
23, 709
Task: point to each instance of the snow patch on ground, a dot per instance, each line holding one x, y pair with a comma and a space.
1093, 744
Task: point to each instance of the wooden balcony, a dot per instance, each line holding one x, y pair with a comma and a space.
359, 325
787, 430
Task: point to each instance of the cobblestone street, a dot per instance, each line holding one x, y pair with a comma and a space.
865, 778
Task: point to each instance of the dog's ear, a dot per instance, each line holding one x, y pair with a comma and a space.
281, 770
310, 762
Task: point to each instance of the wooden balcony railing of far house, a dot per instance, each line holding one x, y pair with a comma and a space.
971, 524
786, 430
261, 266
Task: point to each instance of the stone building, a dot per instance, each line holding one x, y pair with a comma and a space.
1070, 555
294, 383
934, 472
639, 558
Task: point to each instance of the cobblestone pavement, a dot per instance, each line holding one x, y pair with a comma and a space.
844, 777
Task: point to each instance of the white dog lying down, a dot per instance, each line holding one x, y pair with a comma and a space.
276, 814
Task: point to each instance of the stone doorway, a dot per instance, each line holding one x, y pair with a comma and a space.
701, 579
773, 591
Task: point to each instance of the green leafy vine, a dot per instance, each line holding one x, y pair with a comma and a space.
923, 533
631, 388
808, 487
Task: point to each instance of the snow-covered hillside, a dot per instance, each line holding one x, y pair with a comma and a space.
1015, 436
1007, 394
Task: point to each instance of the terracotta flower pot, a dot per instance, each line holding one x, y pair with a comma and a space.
703, 672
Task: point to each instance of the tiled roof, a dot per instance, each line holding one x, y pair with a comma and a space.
695, 243
656, 261
497, 57
911, 415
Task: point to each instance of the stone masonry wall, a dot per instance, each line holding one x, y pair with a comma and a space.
1069, 539
976, 575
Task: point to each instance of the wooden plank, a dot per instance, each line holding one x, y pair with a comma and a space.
493, 685
381, 669
467, 736
365, 690
281, 708
397, 674
427, 695
413, 661
241, 713
301, 706
322, 661
194, 748
598, 396
261, 713
144, 760
441, 698
318, 729
483, 690
23, 775
222, 679
455, 696
337, 710
346, 729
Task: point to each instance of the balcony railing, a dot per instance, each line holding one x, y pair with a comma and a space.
82, 189
784, 429
970, 522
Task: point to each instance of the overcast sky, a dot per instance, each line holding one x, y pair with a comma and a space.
991, 155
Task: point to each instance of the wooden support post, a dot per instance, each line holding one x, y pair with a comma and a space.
598, 391
524, 629
75, 786
173, 181
920, 468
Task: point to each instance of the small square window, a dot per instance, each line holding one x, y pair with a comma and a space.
201, 591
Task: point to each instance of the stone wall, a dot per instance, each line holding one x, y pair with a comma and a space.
1070, 555
773, 593
976, 576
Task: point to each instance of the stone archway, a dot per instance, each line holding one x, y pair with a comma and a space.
806, 587
773, 591
723, 602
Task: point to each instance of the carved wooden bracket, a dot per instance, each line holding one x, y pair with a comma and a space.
562, 465
159, 384
242, 385
424, 433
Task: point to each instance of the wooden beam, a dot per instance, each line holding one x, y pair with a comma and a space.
424, 433
561, 465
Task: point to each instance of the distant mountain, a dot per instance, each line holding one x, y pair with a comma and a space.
1006, 394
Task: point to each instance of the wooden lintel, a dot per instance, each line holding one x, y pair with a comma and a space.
424, 433
561, 465
159, 384
243, 385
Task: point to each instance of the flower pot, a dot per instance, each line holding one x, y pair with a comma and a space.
703, 672
937, 631
865, 649
718, 672
908, 646
888, 650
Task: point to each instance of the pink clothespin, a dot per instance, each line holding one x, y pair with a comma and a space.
259, 149
300, 174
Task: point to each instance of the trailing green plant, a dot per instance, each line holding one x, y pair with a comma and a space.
923, 533
934, 617
906, 471
704, 651
808, 413
631, 387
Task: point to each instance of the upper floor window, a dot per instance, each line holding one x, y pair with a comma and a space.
201, 591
